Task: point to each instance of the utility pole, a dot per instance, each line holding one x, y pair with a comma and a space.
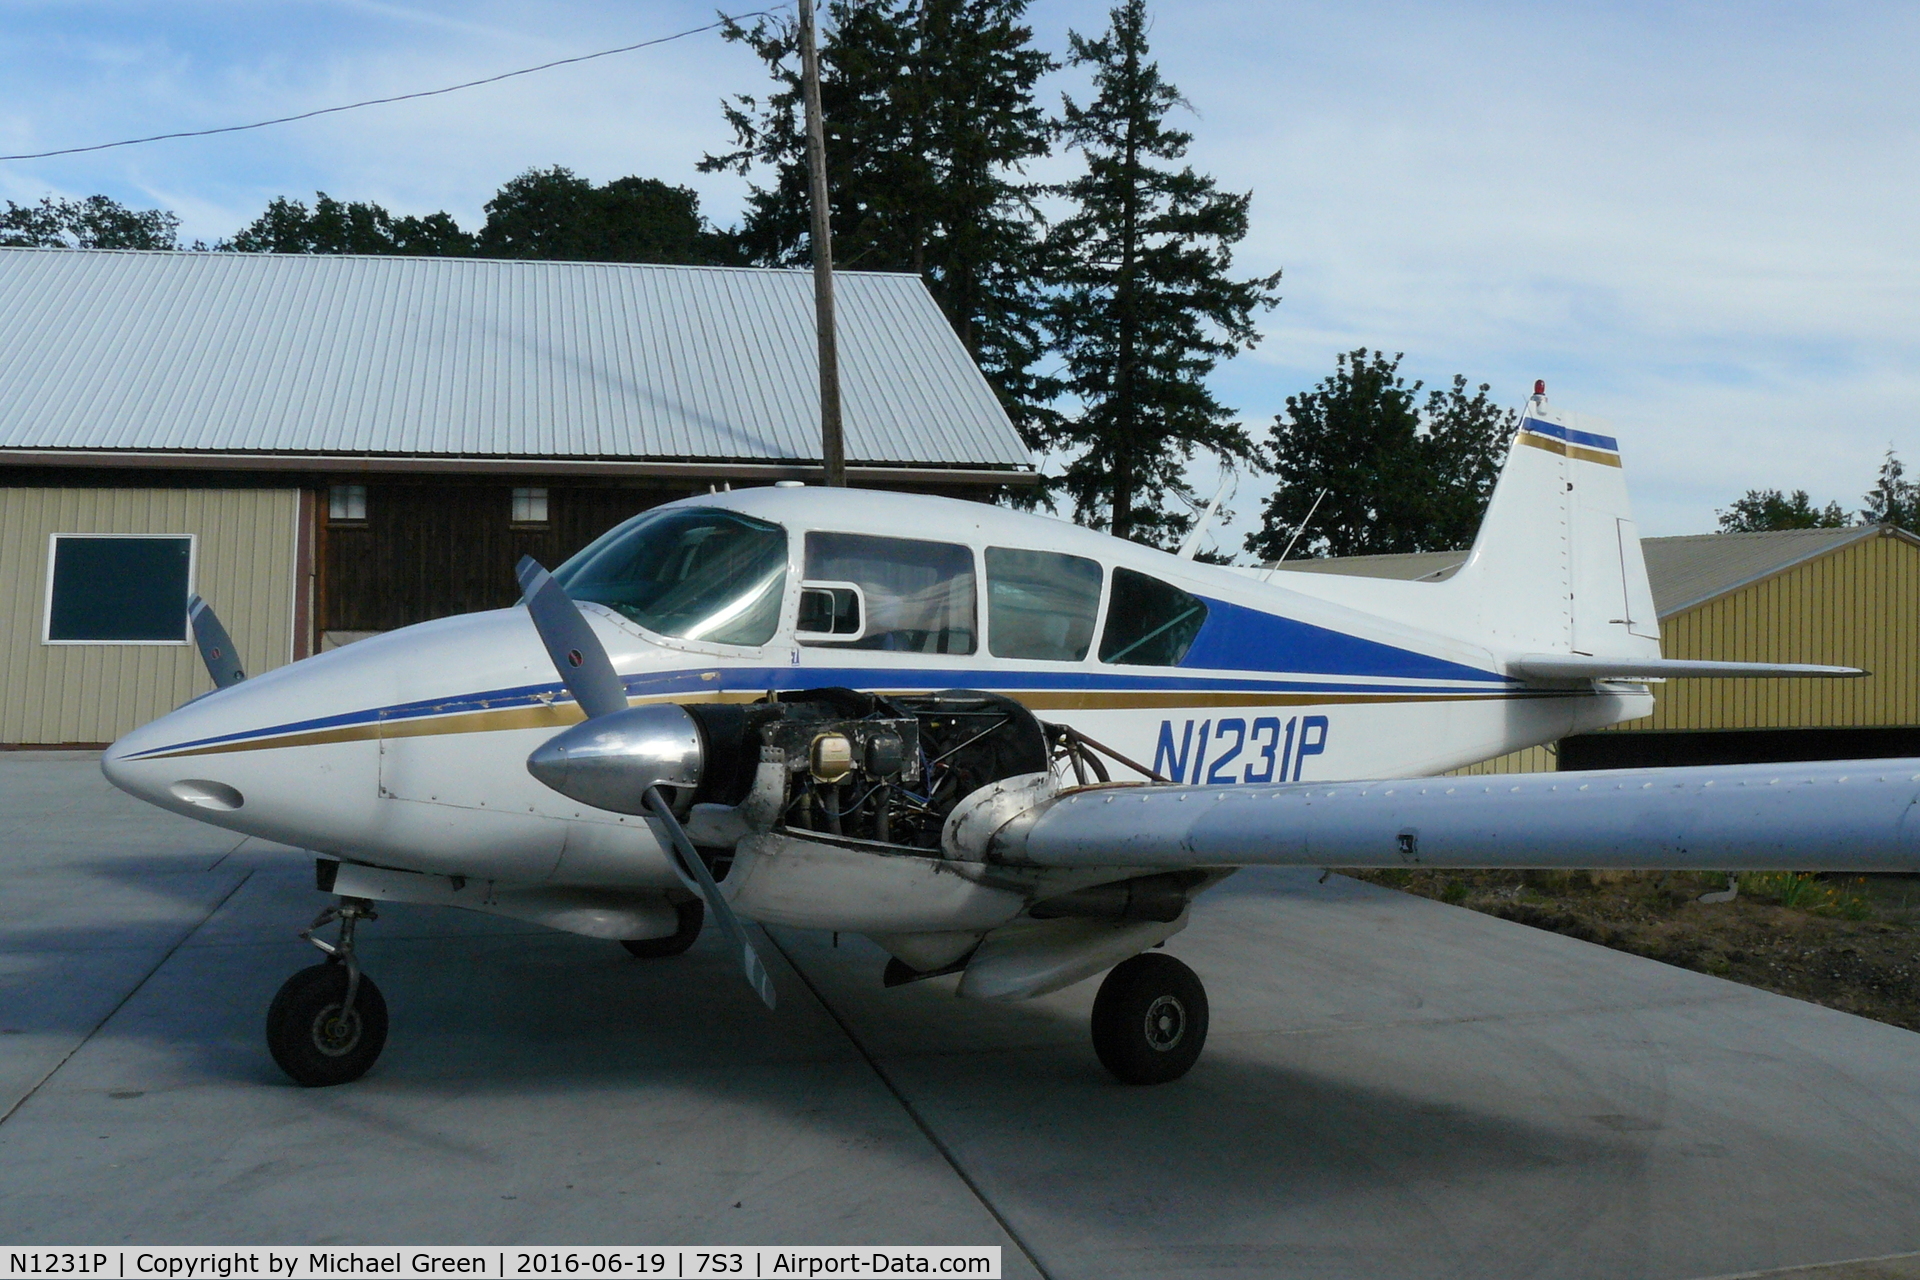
833, 452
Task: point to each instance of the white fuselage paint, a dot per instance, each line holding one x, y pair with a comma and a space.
408, 750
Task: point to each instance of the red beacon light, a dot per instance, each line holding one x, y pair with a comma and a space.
1539, 386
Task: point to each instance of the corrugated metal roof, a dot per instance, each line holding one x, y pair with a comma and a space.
325, 354
1684, 572
1692, 570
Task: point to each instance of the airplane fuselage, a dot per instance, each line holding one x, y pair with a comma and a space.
408, 750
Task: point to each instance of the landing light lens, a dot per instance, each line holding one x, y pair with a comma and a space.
204, 793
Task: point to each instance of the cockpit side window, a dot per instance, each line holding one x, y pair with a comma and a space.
920, 596
1041, 604
691, 572
1150, 623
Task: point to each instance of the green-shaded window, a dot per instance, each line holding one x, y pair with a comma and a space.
1041, 604
119, 590
1150, 623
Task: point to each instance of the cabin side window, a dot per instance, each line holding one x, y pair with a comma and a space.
1041, 604
1150, 623
915, 597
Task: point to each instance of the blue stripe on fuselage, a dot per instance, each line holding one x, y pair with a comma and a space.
1234, 639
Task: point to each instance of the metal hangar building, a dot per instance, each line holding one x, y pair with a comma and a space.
1849, 597
331, 446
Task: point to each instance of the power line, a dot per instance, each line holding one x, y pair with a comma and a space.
404, 97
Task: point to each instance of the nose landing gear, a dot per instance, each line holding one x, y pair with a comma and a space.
328, 1023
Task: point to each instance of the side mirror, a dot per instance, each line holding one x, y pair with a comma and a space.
830, 611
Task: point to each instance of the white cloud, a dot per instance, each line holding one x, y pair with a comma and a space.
1693, 220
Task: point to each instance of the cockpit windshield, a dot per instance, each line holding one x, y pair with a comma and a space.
696, 573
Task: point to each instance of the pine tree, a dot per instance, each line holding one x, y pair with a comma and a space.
1894, 499
1145, 306
929, 115
1396, 477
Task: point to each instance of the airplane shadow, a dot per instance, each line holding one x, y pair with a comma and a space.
495, 1012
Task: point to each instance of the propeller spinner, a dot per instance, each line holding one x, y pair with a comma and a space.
620, 756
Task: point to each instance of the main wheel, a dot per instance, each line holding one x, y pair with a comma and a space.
692, 915
309, 1037
1150, 1019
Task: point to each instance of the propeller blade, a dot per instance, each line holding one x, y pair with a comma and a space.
577, 653
216, 646
700, 880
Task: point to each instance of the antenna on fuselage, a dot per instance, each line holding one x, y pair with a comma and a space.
1191, 546
833, 456
1268, 575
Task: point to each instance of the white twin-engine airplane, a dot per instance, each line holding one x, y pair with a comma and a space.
897, 716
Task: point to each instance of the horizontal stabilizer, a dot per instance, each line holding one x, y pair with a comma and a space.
1848, 815
1574, 666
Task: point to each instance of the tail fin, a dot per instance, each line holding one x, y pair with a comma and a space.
1557, 566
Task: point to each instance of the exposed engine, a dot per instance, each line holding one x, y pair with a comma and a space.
871, 767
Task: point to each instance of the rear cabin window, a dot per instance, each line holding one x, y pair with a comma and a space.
118, 590
1041, 604
920, 596
1150, 623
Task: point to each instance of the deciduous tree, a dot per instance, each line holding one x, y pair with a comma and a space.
557, 215
1397, 476
335, 226
1764, 510
95, 222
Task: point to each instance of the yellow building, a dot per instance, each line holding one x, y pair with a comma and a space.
1847, 597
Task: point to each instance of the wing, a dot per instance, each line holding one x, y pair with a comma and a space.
1573, 666
1830, 816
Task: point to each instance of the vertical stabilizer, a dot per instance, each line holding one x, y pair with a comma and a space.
1557, 566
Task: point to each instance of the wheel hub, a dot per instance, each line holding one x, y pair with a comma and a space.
335, 1033
1166, 1023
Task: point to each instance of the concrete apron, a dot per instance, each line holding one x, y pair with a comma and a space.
1393, 1087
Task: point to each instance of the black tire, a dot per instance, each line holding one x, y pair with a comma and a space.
1150, 1020
308, 1038
692, 915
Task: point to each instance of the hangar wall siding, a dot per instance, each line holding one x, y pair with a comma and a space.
246, 558
1859, 606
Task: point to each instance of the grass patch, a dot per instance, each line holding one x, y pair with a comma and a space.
1847, 942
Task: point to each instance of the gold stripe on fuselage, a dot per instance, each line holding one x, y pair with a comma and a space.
558, 715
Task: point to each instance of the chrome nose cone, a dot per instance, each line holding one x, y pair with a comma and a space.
610, 761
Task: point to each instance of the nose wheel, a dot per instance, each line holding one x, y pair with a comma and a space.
328, 1023
1150, 1019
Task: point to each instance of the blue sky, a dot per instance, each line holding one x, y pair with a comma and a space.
1696, 221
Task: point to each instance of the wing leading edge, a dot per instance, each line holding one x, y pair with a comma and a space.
1829, 816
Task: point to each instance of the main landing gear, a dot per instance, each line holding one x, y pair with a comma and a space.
1150, 1019
329, 1022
